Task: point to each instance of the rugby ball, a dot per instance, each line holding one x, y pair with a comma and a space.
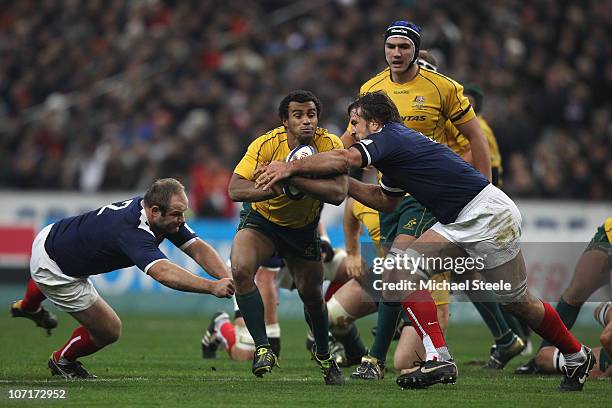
298, 153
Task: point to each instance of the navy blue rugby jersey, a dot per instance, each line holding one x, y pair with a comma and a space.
411, 163
112, 237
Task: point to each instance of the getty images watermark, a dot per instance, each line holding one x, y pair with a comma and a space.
431, 271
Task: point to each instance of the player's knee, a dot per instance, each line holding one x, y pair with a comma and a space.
339, 318
313, 304
242, 275
114, 331
548, 358
108, 334
514, 294
541, 358
310, 293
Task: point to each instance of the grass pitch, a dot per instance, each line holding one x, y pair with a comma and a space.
157, 362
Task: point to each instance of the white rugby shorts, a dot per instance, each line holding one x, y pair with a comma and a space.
68, 293
488, 227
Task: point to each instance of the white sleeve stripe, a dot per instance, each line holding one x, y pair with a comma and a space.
146, 269
363, 146
392, 189
143, 223
186, 244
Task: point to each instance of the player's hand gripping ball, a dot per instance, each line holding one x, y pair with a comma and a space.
298, 153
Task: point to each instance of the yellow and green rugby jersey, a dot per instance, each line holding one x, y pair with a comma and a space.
496, 161
426, 102
456, 141
273, 146
369, 218
608, 229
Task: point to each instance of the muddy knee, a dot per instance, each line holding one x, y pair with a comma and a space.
339, 319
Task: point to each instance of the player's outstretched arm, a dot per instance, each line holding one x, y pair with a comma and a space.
175, 277
208, 258
372, 196
331, 190
243, 190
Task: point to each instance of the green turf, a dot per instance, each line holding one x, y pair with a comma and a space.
157, 362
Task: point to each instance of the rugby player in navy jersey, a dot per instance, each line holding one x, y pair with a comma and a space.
112, 237
476, 221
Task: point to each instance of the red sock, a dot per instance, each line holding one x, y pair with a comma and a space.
33, 298
331, 289
554, 331
79, 345
422, 311
228, 333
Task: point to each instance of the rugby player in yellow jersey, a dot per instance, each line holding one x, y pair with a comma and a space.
442, 181
271, 222
426, 100
352, 301
593, 270
549, 360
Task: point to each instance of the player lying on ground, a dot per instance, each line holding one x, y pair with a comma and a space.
235, 337
549, 360
115, 236
593, 270
476, 221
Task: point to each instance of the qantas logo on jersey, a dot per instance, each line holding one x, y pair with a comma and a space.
414, 118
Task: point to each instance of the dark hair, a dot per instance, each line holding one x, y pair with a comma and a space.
300, 96
161, 192
353, 105
475, 92
379, 107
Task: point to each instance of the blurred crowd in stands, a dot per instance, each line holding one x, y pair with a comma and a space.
109, 95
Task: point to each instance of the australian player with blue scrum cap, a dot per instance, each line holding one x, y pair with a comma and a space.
272, 222
475, 219
118, 235
426, 101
